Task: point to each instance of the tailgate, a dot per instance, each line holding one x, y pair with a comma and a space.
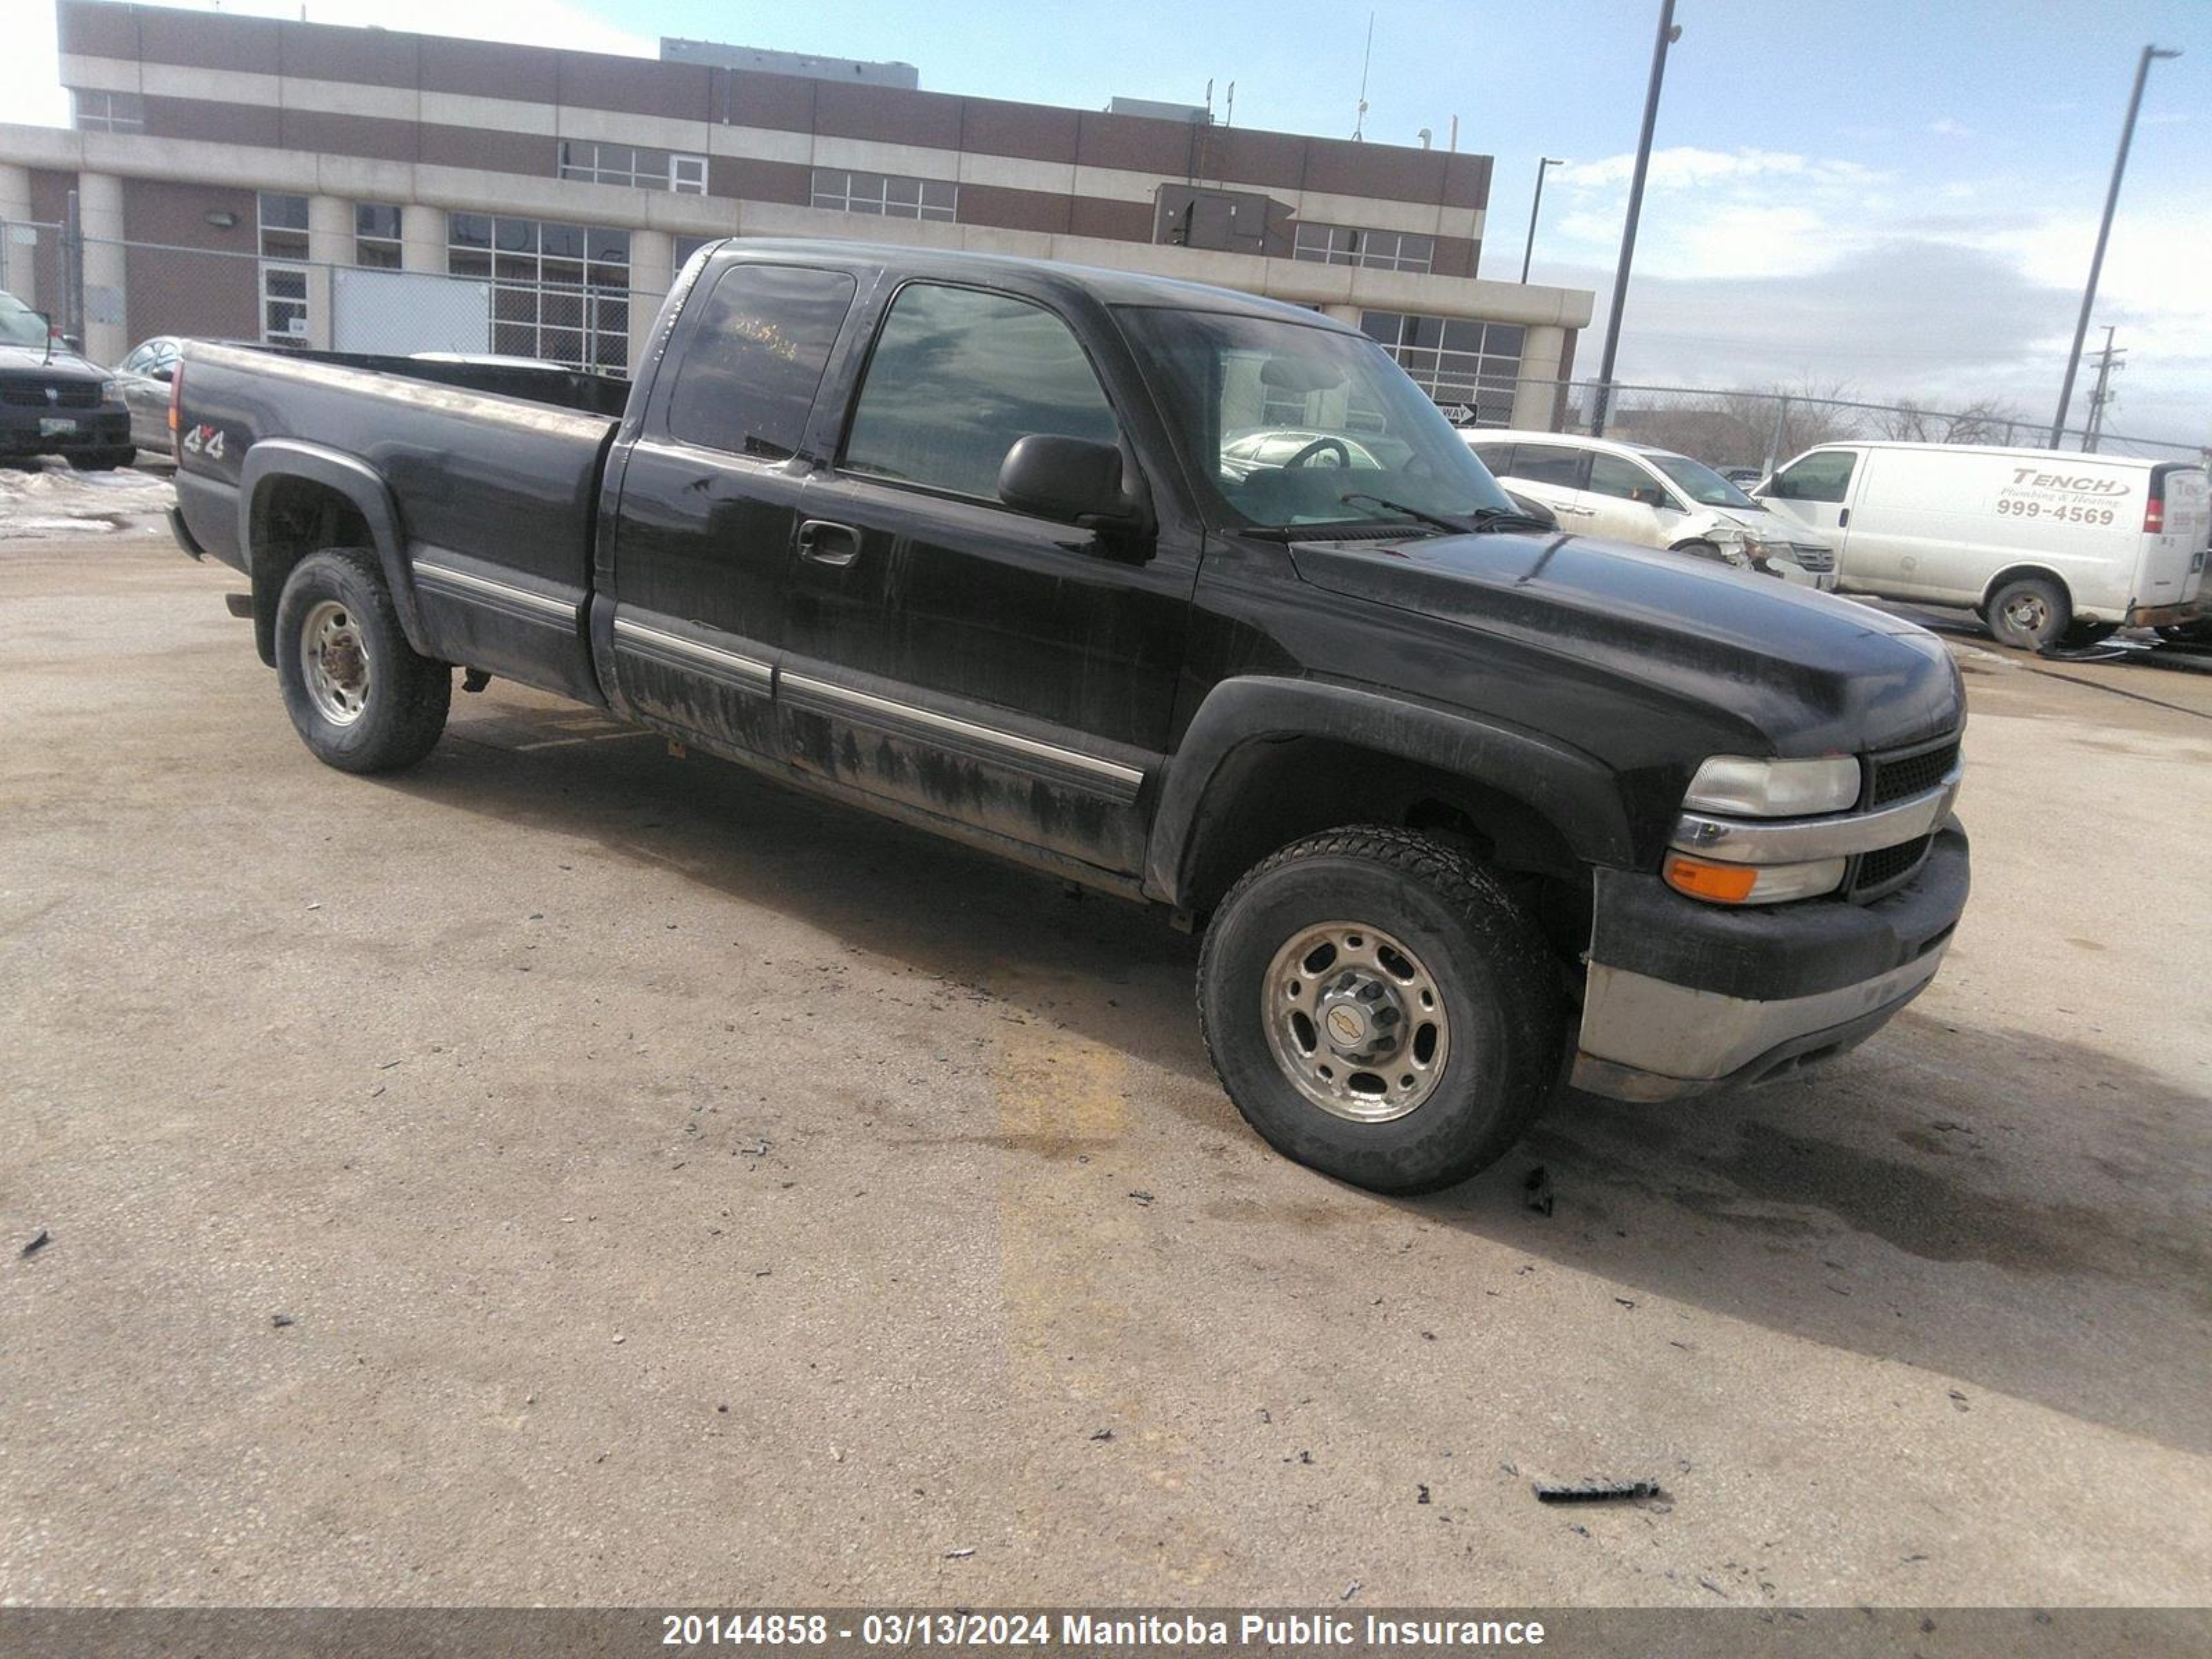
2187, 528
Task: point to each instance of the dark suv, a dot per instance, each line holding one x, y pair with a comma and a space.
54, 402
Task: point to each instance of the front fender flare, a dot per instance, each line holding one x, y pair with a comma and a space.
1572, 791
274, 459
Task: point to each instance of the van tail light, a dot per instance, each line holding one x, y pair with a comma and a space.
2154, 516
176, 408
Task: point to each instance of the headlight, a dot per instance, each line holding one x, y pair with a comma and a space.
111, 391
1775, 789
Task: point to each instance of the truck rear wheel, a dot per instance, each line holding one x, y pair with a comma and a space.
360, 697
1380, 1008
2029, 613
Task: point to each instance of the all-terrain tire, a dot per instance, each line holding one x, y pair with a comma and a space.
1494, 979
400, 708
2029, 613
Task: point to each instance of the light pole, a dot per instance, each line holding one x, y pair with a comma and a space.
2103, 231
1544, 164
1669, 33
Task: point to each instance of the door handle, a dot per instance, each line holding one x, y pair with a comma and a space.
1844, 519
833, 544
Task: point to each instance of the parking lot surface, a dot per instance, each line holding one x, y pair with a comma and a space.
571, 1174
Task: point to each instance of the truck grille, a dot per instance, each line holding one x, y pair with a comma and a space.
1897, 776
1878, 870
1809, 557
69, 394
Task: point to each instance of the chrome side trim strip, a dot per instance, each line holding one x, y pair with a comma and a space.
751, 670
1127, 778
439, 573
1750, 840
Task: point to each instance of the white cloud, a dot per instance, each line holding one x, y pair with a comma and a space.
1946, 128
1754, 265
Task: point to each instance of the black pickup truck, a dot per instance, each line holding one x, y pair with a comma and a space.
1178, 593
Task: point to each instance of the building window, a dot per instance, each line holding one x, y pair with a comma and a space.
108, 111
560, 292
890, 195
1458, 361
283, 244
376, 235
1378, 250
592, 162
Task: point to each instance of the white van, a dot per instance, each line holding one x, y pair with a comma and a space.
2049, 546
1651, 497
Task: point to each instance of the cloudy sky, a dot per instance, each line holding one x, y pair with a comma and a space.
1900, 195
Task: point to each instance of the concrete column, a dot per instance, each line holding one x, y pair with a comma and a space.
99, 218
422, 238
330, 245
19, 267
652, 269
1543, 348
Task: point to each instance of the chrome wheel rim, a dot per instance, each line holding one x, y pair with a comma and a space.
335, 662
2028, 613
1356, 1021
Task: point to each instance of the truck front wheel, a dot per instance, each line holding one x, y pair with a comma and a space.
2029, 613
360, 697
1380, 1008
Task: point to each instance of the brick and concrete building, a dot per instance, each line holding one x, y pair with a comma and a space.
571, 186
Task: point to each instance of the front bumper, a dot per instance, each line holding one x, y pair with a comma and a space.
26, 429
1684, 998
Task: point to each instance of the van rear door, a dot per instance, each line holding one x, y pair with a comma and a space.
2172, 571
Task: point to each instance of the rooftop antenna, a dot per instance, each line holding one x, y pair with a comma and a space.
1425, 135
1359, 126
1209, 100
1230, 118
1455, 137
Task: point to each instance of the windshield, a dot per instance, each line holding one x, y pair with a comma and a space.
19, 324
1699, 482
1293, 419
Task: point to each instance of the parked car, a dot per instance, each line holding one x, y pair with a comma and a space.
52, 401
1648, 497
1276, 447
1741, 476
143, 376
2047, 546
1461, 809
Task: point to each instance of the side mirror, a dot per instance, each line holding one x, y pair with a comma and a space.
1072, 480
166, 374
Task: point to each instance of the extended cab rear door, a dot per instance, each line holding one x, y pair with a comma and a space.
951, 654
708, 502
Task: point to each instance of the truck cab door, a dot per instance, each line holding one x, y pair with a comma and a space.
708, 504
949, 655
1816, 488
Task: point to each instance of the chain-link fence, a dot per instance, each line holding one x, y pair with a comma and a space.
1731, 428
108, 297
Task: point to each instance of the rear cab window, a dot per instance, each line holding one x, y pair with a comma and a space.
747, 383
958, 376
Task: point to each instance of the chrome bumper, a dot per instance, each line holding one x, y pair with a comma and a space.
1684, 998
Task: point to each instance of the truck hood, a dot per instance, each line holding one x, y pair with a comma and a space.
1812, 674
65, 366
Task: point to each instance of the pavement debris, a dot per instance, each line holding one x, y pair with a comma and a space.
1103, 1434
1536, 1190
1596, 1491
282, 1320
957, 1555
1142, 1197
1421, 1494
37, 1244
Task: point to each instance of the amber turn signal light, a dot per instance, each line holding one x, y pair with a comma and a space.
1723, 883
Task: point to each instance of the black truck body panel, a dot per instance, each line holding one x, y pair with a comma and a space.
1090, 701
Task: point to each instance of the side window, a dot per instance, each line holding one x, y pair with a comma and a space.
1498, 458
763, 339
140, 362
1549, 463
1824, 475
957, 376
1611, 476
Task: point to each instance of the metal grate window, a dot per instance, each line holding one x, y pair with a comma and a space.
560, 292
1349, 245
1458, 361
282, 238
888, 194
